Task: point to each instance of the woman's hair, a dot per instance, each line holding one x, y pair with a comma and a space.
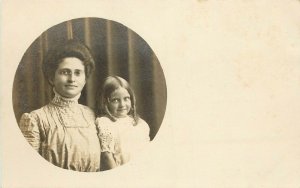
111, 83
70, 48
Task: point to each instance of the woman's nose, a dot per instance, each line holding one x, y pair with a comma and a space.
71, 77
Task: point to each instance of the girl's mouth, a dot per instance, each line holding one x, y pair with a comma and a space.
122, 109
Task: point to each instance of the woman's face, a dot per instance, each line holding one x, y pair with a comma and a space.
119, 103
69, 78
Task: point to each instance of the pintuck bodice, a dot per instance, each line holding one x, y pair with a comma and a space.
64, 133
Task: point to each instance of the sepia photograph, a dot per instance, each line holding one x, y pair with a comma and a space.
88, 93
142, 94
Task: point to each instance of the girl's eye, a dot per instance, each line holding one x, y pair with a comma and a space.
127, 98
114, 100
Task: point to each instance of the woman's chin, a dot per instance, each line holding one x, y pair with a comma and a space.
69, 94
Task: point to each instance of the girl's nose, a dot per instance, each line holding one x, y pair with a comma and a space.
122, 102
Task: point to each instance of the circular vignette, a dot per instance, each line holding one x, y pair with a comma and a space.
117, 50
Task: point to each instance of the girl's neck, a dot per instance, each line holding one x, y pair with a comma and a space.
120, 118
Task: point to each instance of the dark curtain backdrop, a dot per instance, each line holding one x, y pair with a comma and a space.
117, 50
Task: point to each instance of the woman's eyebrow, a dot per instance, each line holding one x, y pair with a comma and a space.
64, 69
71, 69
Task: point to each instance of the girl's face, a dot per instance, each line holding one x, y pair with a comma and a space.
119, 103
69, 78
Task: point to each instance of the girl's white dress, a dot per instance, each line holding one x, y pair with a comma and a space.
64, 133
121, 137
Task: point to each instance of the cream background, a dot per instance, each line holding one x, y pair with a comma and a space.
233, 75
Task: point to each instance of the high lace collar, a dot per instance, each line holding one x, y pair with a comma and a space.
63, 101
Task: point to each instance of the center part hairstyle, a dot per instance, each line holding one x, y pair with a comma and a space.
110, 84
69, 48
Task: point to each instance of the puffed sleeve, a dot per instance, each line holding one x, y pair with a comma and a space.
29, 127
106, 135
144, 131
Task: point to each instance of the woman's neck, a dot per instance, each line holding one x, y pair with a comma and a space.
64, 101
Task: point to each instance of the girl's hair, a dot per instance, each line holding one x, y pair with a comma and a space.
70, 48
111, 83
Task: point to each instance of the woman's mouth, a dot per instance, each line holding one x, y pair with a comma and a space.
71, 86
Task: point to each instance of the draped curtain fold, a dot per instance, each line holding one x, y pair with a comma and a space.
117, 50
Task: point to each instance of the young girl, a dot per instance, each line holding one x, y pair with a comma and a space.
121, 131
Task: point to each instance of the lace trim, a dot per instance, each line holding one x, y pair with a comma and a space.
69, 112
62, 101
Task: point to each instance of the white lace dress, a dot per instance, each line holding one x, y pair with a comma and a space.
64, 133
122, 138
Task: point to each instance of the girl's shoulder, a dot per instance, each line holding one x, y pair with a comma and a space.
103, 120
142, 124
105, 126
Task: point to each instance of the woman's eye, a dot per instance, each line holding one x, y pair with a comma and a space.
77, 73
65, 72
127, 98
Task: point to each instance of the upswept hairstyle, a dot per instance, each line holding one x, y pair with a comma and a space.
70, 48
110, 84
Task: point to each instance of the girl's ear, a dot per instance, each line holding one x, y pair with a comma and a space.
50, 80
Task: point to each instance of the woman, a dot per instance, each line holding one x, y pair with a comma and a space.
63, 131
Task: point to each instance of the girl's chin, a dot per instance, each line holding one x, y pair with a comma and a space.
121, 116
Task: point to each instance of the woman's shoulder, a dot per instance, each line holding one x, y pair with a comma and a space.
35, 113
33, 116
87, 110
